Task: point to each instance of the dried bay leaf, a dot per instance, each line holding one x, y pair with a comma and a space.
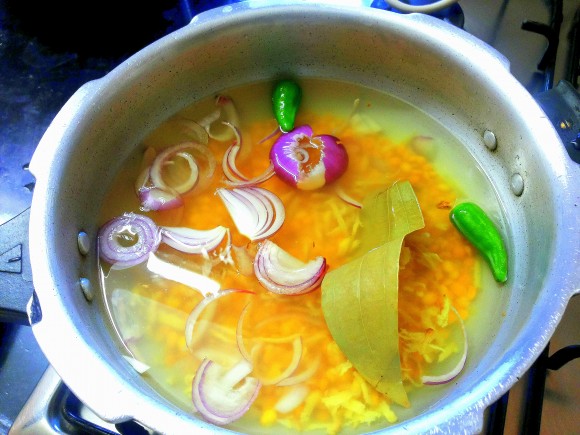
388, 215
360, 298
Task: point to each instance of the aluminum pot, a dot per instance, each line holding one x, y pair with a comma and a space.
452, 76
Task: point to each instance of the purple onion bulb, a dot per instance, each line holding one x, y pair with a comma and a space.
306, 161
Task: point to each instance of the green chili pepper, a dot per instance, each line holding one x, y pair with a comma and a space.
285, 100
478, 228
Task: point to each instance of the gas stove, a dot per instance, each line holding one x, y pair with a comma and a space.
49, 49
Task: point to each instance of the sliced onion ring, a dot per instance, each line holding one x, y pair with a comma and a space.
193, 241
292, 399
155, 199
271, 135
233, 175
197, 310
239, 335
456, 370
347, 198
281, 273
257, 212
138, 231
209, 119
165, 158
143, 178
199, 133
224, 396
301, 377
226, 110
292, 366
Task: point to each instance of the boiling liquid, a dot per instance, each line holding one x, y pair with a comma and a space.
387, 141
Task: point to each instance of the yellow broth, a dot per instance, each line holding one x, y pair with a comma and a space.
387, 140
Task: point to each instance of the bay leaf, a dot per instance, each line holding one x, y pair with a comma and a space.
360, 298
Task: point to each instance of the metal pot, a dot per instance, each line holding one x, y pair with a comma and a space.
455, 78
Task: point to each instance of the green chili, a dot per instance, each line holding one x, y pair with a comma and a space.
285, 100
478, 228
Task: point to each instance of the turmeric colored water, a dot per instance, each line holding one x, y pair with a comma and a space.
438, 267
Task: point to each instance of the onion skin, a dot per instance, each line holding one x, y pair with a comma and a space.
293, 162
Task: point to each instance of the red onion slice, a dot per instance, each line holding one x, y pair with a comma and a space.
308, 162
456, 370
127, 240
233, 175
226, 110
301, 377
347, 198
224, 396
195, 131
259, 179
281, 273
142, 179
292, 366
239, 335
270, 135
256, 212
199, 308
166, 158
155, 199
209, 119
193, 241
292, 399
190, 152
229, 164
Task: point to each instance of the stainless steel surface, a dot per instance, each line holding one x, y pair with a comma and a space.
42, 412
35, 417
495, 21
118, 110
